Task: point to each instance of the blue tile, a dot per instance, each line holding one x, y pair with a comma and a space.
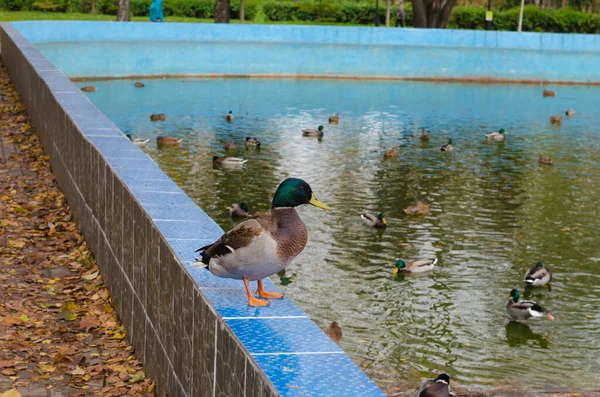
318, 375
129, 162
186, 249
128, 175
165, 199
206, 280
187, 229
234, 303
157, 211
282, 335
113, 146
165, 185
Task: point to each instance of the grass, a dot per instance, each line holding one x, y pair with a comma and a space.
10, 16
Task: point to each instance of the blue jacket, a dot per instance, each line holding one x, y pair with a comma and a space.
156, 11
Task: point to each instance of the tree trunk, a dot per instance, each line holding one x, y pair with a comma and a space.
123, 11
420, 18
387, 13
242, 16
432, 13
564, 3
222, 11
93, 6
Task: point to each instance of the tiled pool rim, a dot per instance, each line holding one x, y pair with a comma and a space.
194, 332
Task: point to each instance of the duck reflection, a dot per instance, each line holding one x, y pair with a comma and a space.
518, 334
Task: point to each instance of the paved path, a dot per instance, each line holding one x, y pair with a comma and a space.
59, 335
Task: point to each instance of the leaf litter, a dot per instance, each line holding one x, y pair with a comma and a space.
58, 328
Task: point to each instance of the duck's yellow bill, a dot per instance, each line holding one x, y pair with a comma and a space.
313, 200
384, 221
395, 271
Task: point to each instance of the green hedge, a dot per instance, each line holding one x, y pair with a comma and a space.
534, 20
330, 11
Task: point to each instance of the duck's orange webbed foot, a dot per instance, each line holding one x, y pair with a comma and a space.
252, 301
265, 294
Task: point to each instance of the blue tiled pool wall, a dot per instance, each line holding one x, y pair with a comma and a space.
193, 331
80, 49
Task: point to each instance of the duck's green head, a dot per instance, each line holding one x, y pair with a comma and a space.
514, 294
230, 112
320, 129
381, 217
248, 138
539, 265
129, 136
450, 141
400, 265
244, 206
501, 131
294, 192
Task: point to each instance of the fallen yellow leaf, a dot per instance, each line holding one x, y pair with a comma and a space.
91, 276
11, 393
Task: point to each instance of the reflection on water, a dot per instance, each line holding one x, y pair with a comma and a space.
494, 212
518, 334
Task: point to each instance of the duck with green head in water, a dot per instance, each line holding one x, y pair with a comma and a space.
447, 147
523, 310
414, 266
229, 116
497, 136
312, 132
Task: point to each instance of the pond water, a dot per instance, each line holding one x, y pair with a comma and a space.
494, 212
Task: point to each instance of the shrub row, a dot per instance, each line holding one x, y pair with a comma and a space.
184, 8
360, 12
534, 20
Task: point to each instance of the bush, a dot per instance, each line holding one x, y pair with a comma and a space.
250, 8
534, 20
12, 5
108, 7
468, 17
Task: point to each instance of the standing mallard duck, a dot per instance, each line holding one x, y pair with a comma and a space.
522, 310
545, 160
538, 276
334, 332
391, 153
88, 88
229, 116
230, 146
438, 387
138, 141
497, 136
548, 93
418, 209
556, 120
424, 136
232, 161
252, 143
138, 84
311, 132
447, 147
238, 210
168, 141
158, 117
414, 266
334, 119
570, 112
374, 220
258, 248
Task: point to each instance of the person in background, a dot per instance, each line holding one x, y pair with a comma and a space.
400, 14
156, 11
